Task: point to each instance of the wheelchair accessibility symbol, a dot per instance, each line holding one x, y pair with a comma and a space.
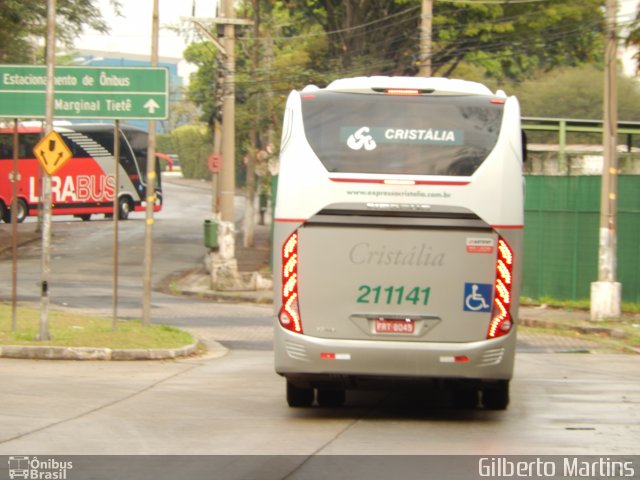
477, 297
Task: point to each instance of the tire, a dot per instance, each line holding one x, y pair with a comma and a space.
84, 217
331, 398
23, 211
124, 208
4, 213
299, 397
496, 397
465, 398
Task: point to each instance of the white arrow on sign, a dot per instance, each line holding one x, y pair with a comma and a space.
151, 106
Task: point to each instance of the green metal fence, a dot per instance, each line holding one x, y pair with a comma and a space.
561, 236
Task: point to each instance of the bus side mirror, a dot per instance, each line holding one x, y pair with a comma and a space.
524, 146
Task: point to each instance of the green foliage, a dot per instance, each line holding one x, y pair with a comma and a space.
507, 40
192, 143
365, 37
576, 93
164, 143
633, 38
22, 20
511, 41
202, 87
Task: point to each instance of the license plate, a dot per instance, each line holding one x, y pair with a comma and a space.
384, 325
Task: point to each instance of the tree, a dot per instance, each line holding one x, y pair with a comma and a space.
370, 35
507, 40
576, 93
23, 22
514, 40
290, 55
633, 38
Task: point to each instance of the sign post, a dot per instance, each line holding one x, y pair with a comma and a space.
46, 179
15, 178
52, 153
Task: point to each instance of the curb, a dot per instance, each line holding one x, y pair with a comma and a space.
584, 329
229, 297
87, 353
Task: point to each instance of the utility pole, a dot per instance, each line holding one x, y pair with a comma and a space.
606, 293
228, 170
223, 263
425, 38
250, 195
224, 266
151, 184
217, 116
46, 179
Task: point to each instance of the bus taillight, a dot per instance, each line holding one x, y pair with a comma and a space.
402, 91
501, 321
289, 316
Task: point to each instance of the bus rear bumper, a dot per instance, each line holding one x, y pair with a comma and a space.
311, 361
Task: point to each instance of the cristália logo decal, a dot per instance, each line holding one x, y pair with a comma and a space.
360, 139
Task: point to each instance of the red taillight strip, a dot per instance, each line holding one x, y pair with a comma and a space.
453, 183
289, 316
501, 321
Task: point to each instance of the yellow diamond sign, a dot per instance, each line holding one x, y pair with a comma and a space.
52, 152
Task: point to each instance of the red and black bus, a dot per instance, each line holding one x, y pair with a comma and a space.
85, 184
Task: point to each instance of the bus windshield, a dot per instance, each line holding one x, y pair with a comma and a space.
407, 135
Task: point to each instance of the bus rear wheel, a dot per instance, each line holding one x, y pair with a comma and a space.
23, 211
331, 398
299, 397
124, 208
496, 397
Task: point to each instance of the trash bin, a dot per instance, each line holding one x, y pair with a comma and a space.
211, 234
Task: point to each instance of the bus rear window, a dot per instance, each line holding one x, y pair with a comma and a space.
408, 135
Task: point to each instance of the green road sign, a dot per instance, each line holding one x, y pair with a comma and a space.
85, 92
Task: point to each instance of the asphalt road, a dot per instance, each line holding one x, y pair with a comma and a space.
563, 404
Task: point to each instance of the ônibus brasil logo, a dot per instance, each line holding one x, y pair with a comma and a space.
34, 469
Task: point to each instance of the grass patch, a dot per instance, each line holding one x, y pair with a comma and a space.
77, 330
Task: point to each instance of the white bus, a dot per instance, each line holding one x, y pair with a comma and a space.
398, 239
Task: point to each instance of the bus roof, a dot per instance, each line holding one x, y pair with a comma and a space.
434, 84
